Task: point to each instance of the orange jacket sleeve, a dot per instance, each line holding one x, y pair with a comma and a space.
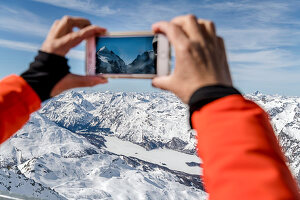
240, 153
17, 101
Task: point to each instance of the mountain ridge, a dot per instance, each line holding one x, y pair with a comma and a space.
109, 62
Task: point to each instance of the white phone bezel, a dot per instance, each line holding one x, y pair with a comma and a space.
163, 56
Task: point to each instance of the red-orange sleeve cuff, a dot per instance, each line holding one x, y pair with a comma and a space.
17, 101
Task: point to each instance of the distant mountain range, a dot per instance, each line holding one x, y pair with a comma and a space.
108, 62
105, 145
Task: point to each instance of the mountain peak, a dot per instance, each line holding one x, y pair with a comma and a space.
257, 93
104, 49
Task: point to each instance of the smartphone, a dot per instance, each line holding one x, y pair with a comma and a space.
128, 55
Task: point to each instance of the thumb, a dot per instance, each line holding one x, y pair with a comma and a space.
73, 81
86, 81
163, 82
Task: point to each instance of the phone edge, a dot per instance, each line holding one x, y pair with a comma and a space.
90, 57
129, 33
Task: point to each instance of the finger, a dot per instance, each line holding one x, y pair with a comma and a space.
221, 46
173, 32
227, 70
73, 81
209, 29
190, 26
221, 43
53, 29
87, 81
67, 24
72, 39
209, 26
163, 82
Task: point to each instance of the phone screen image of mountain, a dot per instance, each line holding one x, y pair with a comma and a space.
126, 55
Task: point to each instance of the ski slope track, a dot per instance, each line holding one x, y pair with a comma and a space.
104, 145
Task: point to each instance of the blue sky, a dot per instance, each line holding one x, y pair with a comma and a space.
262, 37
128, 48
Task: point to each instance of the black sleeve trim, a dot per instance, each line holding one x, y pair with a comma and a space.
207, 94
43, 74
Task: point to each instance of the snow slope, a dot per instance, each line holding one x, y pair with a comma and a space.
14, 182
163, 157
79, 166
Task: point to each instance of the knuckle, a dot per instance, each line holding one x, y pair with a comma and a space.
185, 46
54, 45
66, 19
191, 18
174, 19
74, 36
201, 21
210, 23
220, 39
78, 36
173, 29
177, 19
50, 46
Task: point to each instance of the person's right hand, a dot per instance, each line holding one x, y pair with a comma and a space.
199, 53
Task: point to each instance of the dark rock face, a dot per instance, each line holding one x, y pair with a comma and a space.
176, 144
108, 62
183, 178
143, 64
150, 144
193, 164
291, 150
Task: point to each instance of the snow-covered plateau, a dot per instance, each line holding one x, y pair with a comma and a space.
105, 145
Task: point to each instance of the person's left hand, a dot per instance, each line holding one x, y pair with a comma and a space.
61, 38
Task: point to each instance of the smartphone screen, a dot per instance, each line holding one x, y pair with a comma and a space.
126, 55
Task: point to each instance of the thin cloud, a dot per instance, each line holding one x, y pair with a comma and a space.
265, 59
251, 11
86, 6
16, 45
21, 21
251, 38
31, 47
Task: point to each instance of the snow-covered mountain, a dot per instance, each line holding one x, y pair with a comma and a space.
151, 119
13, 181
108, 62
104, 145
143, 63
